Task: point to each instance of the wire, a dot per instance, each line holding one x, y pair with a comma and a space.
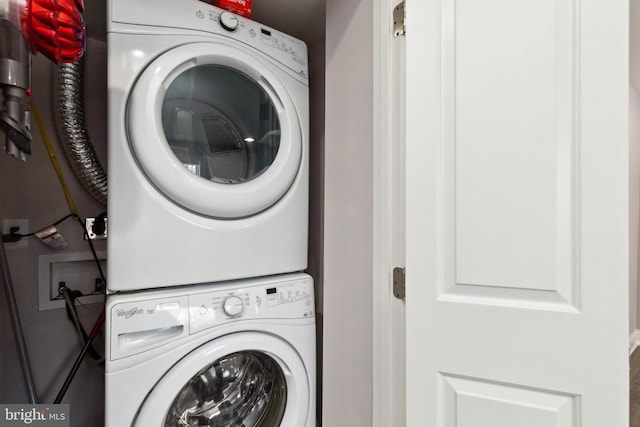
64, 218
55, 223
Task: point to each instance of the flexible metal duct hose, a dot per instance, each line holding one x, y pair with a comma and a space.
68, 99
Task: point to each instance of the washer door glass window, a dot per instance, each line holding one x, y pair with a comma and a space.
250, 379
215, 130
220, 124
244, 389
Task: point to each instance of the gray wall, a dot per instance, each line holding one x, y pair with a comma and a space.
634, 163
316, 193
348, 215
31, 190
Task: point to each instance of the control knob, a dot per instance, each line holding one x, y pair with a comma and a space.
228, 21
233, 306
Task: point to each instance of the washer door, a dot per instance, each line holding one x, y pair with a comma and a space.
214, 130
245, 379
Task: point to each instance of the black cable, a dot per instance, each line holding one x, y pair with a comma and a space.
64, 218
70, 297
19, 235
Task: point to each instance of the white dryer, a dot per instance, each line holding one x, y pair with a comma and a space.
208, 146
239, 354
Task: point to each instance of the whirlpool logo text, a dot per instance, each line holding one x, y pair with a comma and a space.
129, 313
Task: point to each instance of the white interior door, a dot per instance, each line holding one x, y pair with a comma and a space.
516, 219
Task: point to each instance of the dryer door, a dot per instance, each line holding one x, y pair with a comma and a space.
214, 130
245, 379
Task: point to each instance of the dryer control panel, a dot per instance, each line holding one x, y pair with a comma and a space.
196, 16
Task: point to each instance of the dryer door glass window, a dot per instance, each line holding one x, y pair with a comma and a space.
220, 124
244, 389
217, 130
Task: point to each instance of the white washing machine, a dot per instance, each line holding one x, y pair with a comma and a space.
239, 354
208, 146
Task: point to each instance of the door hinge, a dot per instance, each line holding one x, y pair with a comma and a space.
398, 20
398, 283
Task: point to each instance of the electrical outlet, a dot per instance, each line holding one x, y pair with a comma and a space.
23, 228
88, 223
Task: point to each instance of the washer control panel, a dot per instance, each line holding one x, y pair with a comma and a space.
282, 300
147, 320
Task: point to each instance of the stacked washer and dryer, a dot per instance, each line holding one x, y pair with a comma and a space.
210, 321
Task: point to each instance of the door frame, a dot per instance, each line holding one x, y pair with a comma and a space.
388, 224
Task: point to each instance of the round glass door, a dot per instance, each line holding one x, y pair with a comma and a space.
214, 130
220, 124
244, 389
248, 379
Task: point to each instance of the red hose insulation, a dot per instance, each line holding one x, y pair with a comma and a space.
97, 325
